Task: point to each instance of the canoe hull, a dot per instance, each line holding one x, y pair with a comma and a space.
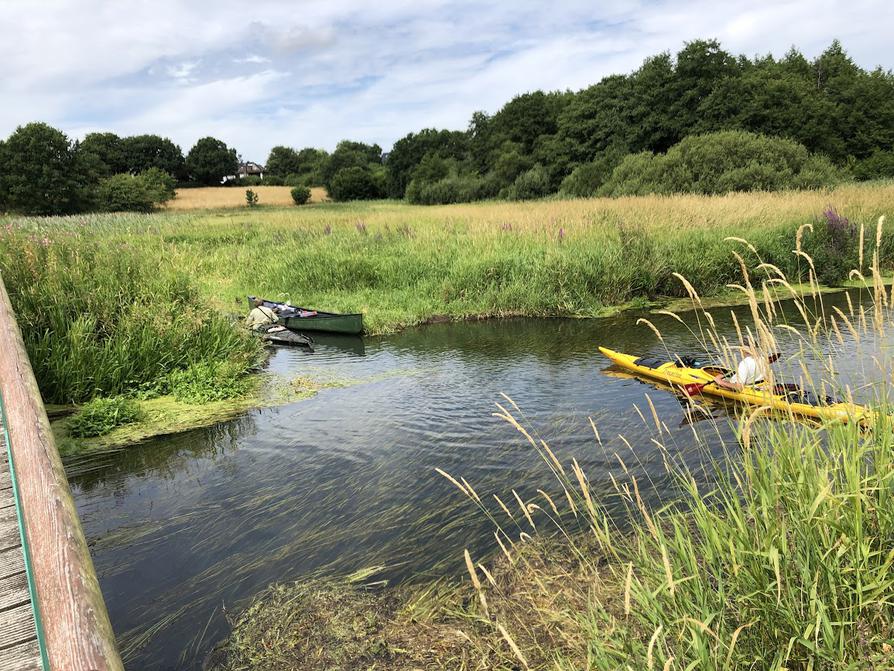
678, 376
349, 324
321, 322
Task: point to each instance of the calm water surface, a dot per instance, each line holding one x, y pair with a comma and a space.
183, 526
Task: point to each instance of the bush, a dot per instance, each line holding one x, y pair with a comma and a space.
251, 198
101, 415
452, 189
586, 179
160, 184
722, 162
531, 184
207, 381
355, 183
273, 180
126, 193
300, 194
878, 166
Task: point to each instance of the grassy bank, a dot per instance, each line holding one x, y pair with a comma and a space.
778, 557
110, 303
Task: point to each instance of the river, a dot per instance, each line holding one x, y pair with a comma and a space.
182, 526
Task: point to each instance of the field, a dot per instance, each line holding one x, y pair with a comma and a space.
152, 293
215, 197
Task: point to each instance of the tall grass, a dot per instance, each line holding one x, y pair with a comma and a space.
783, 559
107, 316
113, 301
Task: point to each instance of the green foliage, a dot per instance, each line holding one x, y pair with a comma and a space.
347, 155
300, 194
451, 189
206, 381
879, 165
99, 416
408, 152
356, 183
105, 310
722, 162
251, 198
210, 160
531, 184
40, 172
125, 193
160, 183
281, 161
586, 179
102, 155
142, 152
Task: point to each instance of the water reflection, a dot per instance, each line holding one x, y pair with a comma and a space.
182, 525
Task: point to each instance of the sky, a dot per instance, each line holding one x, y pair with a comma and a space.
259, 73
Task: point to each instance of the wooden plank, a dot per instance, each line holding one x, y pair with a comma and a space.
10, 536
21, 657
17, 625
77, 633
12, 561
14, 591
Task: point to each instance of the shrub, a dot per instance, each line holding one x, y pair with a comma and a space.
209, 381
585, 180
355, 183
452, 189
300, 194
160, 184
125, 193
722, 162
531, 184
251, 198
101, 415
878, 166
273, 180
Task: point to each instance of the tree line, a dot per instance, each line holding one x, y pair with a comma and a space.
703, 121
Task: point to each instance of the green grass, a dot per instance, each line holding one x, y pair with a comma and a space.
112, 303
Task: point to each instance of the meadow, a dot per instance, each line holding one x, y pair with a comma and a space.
215, 197
114, 303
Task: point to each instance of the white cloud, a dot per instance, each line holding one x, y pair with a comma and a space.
314, 73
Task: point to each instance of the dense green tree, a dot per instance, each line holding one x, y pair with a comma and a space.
210, 160
142, 152
40, 172
349, 154
408, 152
355, 183
282, 161
102, 155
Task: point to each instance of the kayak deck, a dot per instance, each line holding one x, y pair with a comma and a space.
678, 376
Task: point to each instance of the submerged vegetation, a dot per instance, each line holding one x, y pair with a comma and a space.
779, 556
116, 304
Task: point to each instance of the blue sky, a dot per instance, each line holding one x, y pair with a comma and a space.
258, 73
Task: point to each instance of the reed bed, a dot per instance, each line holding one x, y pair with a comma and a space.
777, 557
225, 197
162, 281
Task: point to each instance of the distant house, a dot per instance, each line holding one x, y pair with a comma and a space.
246, 169
251, 169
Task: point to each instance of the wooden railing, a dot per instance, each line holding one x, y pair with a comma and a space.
73, 624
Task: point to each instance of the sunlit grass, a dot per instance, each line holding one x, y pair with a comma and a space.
215, 197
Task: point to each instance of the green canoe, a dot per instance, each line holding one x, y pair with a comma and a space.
305, 319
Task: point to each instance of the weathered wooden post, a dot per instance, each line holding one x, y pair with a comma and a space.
72, 622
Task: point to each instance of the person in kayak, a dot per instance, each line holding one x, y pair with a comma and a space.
751, 370
260, 316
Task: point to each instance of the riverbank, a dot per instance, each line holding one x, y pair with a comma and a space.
165, 415
154, 294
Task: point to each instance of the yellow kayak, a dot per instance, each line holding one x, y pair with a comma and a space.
789, 399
